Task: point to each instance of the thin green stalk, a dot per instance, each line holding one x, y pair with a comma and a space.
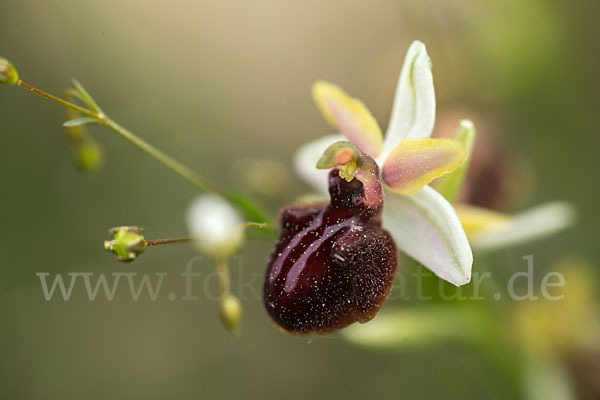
158, 242
224, 278
59, 100
164, 159
249, 207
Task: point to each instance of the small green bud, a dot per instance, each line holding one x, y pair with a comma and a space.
231, 314
8, 73
128, 242
87, 156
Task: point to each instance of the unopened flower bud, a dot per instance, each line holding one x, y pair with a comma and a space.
128, 242
8, 73
215, 226
231, 314
87, 156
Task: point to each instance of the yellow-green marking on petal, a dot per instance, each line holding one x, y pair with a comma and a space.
350, 116
416, 162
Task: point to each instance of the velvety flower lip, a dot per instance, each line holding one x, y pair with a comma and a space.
422, 222
333, 264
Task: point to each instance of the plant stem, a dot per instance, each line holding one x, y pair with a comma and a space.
158, 242
164, 159
250, 208
60, 101
224, 278
255, 225
146, 147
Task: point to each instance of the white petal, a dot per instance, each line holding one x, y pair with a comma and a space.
426, 227
214, 224
528, 225
413, 114
305, 161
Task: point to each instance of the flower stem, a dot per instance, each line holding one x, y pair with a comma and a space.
146, 147
255, 225
248, 206
164, 159
224, 278
60, 101
158, 242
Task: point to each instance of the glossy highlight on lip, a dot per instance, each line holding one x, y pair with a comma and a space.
333, 264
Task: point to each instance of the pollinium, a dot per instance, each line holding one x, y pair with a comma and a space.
333, 264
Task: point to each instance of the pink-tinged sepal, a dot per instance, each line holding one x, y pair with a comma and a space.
350, 116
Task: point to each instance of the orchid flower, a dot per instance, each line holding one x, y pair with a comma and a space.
422, 222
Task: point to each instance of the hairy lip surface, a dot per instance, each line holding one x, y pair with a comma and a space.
333, 264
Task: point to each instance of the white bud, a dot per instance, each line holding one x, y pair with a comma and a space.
215, 226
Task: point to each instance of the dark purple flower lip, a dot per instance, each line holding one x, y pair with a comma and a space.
333, 264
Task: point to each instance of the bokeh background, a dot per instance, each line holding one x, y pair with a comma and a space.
215, 83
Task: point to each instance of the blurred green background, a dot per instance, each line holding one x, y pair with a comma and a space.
212, 82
